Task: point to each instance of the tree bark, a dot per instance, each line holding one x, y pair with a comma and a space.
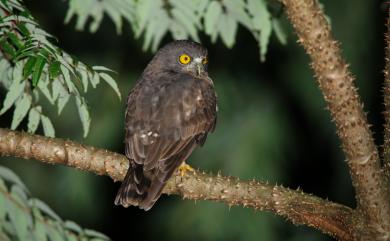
386, 92
340, 93
296, 206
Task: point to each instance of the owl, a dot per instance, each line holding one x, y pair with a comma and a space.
169, 113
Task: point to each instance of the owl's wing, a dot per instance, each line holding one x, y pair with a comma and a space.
162, 119
165, 121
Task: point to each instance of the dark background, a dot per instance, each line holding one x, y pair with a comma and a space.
272, 126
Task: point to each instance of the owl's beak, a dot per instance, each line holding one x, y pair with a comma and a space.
199, 66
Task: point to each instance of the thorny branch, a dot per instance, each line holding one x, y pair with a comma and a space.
298, 207
336, 84
386, 92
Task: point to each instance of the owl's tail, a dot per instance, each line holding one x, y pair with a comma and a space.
137, 189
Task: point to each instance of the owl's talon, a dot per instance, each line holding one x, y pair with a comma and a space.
183, 168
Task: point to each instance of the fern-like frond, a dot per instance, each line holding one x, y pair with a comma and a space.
23, 217
31, 66
153, 19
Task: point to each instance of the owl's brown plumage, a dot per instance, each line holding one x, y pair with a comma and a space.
169, 113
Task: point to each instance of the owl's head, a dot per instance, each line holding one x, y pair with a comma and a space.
182, 56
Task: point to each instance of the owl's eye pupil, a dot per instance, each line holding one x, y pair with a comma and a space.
184, 59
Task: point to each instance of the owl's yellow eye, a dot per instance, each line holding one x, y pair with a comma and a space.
184, 59
205, 60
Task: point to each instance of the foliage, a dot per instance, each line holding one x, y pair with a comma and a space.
182, 19
25, 218
31, 66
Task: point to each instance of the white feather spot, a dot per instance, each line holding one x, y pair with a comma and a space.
150, 133
154, 100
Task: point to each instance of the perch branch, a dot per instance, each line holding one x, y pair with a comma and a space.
336, 84
386, 92
296, 206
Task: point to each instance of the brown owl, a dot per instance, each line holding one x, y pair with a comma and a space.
170, 112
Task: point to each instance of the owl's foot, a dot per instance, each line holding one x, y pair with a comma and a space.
183, 168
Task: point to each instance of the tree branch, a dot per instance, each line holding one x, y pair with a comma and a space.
296, 206
386, 92
336, 84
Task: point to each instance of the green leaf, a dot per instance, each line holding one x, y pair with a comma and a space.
17, 74
184, 20
44, 208
71, 87
211, 17
227, 29
61, 94
95, 80
84, 115
83, 75
11, 177
24, 53
38, 67
188, 8
262, 22
22, 28
8, 227
4, 4
72, 226
151, 28
40, 231
21, 195
143, 11
69, 14
279, 31
8, 48
3, 187
3, 208
43, 87
55, 234
20, 218
16, 89
102, 68
22, 107
54, 69
15, 40
263, 41
164, 23
33, 119
94, 234
236, 10
111, 82
28, 67
48, 128
114, 15
97, 15
4, 67
72, 237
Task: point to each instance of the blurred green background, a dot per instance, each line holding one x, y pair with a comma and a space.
272, 125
